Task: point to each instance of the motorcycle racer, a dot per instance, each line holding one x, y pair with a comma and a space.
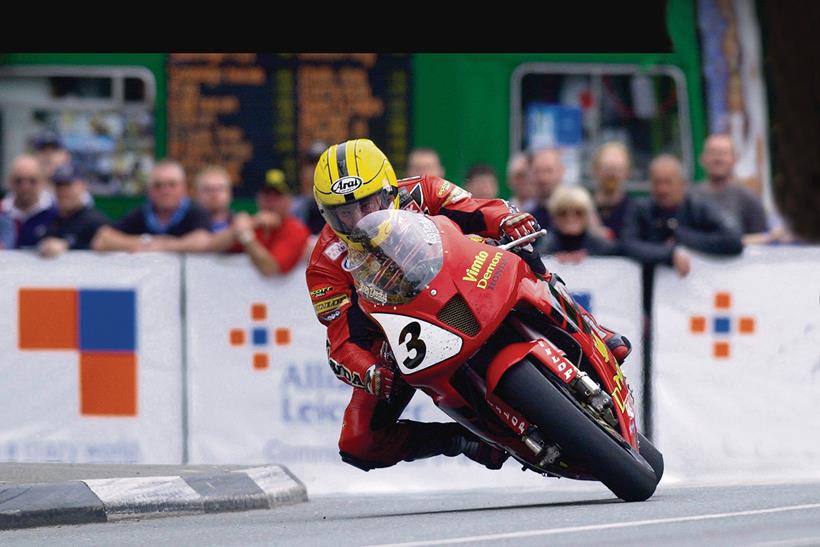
351, 180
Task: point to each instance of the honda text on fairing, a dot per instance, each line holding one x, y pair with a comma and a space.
502, 352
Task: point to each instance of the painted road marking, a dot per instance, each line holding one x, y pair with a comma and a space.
796, 542
592, 527
123, 498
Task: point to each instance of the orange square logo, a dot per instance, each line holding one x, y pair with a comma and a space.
260, 361
697, 324
48, 319
721, 349
259, 312
747, 325
237, 337
108, 384
723, 301
282, 337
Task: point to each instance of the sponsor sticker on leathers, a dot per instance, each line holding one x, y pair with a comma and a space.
331, 304
318, 293
458, 194
442, 189
335, 250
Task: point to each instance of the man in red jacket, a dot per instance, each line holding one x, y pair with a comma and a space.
351, 180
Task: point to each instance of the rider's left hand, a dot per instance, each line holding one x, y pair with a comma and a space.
378, 381
518, 225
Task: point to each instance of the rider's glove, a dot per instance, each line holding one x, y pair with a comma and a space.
532, 257
378, 381
517, 225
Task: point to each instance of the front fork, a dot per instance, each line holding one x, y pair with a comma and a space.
586, 390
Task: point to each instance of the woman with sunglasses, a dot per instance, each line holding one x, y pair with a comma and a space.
576, 229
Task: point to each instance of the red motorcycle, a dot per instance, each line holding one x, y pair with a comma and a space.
501, 351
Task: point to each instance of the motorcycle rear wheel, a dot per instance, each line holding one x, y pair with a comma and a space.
625, 473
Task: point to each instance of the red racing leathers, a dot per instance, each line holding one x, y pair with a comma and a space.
370, 435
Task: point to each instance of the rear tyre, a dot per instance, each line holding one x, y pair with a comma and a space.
625, 473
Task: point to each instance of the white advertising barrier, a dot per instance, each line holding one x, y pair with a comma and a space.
261, 389
610, 288
736, 366
90, 354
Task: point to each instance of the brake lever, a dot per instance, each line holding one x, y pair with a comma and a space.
521, 240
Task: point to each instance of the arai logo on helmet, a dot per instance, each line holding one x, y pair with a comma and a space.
346, 185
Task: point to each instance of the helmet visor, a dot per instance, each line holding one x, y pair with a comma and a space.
343, 218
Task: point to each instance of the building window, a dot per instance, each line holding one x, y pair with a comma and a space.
104, 116
577, 107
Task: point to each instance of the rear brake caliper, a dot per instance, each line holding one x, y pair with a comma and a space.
546, 454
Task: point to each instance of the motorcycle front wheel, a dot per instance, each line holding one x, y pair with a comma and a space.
541, 402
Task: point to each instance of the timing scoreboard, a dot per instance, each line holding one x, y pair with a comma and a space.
252, 112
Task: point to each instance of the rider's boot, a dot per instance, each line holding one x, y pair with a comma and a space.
451, 439
618, 344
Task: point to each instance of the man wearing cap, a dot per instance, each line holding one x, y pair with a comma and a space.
76, 222
274, 239
304, 206
168, 220
28, 203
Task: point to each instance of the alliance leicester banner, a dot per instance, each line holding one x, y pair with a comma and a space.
90, 355
736, 366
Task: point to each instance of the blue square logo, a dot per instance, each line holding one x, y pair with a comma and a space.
584, 299
722, 325
260, 337
108, 320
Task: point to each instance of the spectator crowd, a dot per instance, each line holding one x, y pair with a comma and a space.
47, 207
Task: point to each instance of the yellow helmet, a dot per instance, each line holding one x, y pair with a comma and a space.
353, 179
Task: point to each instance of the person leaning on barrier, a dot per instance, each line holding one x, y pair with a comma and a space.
610, 167
718, 160
76, 222
50, 151
303, 205
672, 218
168, 220
424, 161
274, 239
29, 204
213, 192
547, 174
574, 235
482, 181
520, 184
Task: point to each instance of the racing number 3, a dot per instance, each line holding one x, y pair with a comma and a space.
414, 343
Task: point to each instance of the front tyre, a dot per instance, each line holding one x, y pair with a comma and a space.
651, 454
527, 390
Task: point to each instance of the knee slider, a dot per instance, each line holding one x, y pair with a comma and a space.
364, 465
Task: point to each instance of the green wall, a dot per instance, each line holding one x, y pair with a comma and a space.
461, 102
